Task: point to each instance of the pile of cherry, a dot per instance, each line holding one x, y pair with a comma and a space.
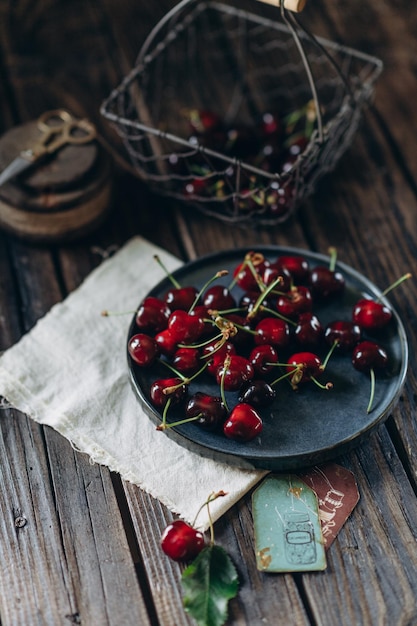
273, 144
243, 345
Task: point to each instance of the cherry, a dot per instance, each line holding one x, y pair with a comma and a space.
297, 266
305, 367
243, 423
186, 360
372, 314
243, 339
143, 349
298, 300
210, 410
272, 272
152, 315
326, 282
261, 358
167, 342
273, 331
270, 125
218, 297
185, 327
203, 313
257, 393
216, 355
181, 298
178, 297
368, 356
279, 198
246, 274
165, 389
345, 333
309, 331
234, 371
202, 122
181, 542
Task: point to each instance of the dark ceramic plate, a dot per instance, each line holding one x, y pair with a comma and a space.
301, 428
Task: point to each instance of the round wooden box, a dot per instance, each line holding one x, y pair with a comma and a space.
62, 198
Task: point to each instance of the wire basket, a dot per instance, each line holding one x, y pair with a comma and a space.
237, 114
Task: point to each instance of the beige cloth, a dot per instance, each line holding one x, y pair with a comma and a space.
70, 372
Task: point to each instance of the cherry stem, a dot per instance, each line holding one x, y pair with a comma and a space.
202, 344
327, 386
185, 380
263, 295
279, 315
213, 496
286, 375
164, 415
372, 394
394, 285
226, 364
169, 275
247, 262
333, 258
218, 274
329, 354
165, 426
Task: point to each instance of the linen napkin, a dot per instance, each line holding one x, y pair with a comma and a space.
70, 372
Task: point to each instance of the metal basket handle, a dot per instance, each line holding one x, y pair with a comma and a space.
289, 20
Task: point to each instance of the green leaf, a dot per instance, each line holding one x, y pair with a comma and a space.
209, 583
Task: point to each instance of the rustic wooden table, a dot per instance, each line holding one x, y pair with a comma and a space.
87, 551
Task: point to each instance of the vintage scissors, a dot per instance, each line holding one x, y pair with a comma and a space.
58, 128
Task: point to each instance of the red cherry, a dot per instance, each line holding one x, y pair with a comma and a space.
257, 393
345, 333
185, 327
244, 276
261, 358
238, 371
373, 314
273, 331
279, 199
297, 265
219, 298
210, 409
270, 125
152, 315
369, 355
309, 331
272, 272
370, 314
305, 366
167, 342
243, 423
159, 398
218, 355
143, 349
181, 298
202, 122
181, 542
298, 300
326, 283
186, 361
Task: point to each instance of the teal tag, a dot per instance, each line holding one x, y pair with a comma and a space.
288, 536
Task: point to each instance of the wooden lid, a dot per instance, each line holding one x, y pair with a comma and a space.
65, 168
60, 199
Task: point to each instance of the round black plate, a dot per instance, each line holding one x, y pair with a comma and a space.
301, 428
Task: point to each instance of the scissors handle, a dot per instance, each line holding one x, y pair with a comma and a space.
58, 128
